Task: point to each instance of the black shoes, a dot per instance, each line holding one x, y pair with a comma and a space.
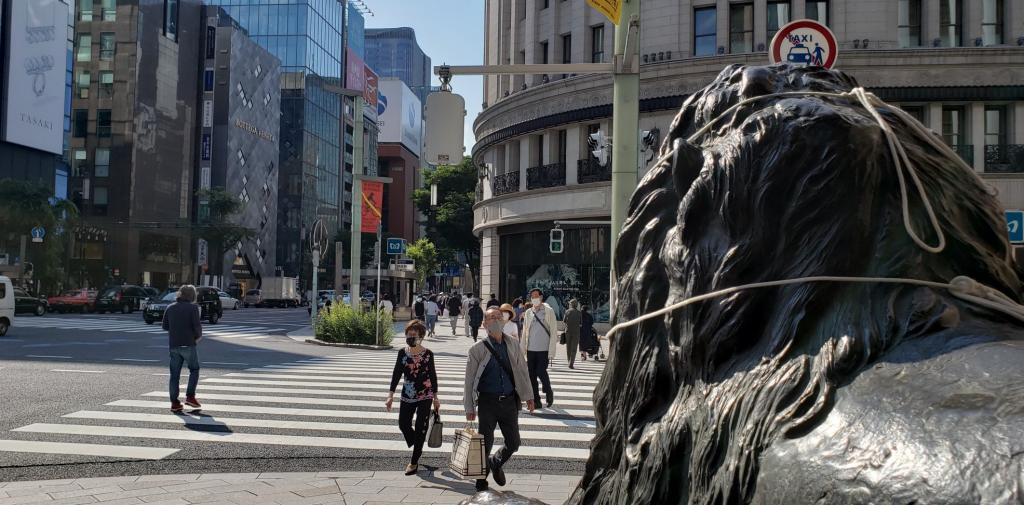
551, 398
481, 484
496, 471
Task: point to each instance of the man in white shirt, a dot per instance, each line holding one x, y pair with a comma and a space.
539, 342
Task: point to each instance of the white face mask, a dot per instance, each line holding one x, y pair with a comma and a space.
506, 317
536, 302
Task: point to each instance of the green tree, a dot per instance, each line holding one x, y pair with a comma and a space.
450, 223
217, 224
425, 254
24, 205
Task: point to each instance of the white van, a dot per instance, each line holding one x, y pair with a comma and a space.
6, 304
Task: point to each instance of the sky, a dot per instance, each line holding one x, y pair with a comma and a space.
449, 31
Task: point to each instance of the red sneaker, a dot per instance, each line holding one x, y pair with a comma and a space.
192, 402
176, 407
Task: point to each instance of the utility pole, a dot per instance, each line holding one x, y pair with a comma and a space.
625, 123
357, 207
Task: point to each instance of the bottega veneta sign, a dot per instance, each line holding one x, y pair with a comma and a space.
263, 134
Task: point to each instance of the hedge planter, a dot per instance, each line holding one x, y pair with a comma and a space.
352, 346
343, 325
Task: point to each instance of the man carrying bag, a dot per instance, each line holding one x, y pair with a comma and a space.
497, 381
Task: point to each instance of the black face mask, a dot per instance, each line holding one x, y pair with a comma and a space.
411, 341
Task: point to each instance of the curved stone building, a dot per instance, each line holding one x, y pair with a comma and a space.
957, 65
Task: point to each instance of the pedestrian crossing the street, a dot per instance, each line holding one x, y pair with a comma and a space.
244, 332
327, 403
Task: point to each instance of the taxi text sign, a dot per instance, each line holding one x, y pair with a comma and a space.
804, 43
612, 9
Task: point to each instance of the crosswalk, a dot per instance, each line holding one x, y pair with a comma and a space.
329, 403
244, 332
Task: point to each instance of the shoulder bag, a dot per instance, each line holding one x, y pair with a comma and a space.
507, 368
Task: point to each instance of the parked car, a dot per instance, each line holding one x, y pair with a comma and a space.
125, 299
367, 296
6, 304
74, 300
228, 301
27, 303
252, 298
207, 298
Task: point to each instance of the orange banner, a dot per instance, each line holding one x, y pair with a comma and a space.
373, 199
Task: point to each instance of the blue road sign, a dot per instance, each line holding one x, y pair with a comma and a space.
38, 232
396, 246
1015, 226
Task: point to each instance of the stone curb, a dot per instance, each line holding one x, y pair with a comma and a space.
353, 346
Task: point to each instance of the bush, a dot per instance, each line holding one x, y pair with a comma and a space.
345, 325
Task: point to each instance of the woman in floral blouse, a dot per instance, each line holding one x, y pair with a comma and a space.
416, 363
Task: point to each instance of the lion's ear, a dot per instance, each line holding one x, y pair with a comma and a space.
687, 160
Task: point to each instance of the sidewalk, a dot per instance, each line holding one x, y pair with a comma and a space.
309, 488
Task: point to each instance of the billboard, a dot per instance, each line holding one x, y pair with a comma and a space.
360, 77
373, 199
34, 114
399, 115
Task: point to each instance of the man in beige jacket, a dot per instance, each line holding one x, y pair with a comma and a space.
540, 341
493, 390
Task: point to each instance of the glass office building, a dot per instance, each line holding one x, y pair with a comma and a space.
394, 52
307, 37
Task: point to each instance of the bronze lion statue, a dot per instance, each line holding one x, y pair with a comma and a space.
816, 392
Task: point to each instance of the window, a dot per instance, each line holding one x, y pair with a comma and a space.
102, 162
106, 84
544, 52
817, 11
992, 22
995, 125
84, 47
566, 50
78, 163
85, 10
950, 16
914, 110
109, 10
103, 123
597, 44
80, 123
953, 125
778, 16
107, 46
563, 146
171, 19
543, 4
704, 31
99, 196
82, 84
909, 23
741, 28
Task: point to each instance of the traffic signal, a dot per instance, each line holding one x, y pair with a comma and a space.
555, 244
599, 145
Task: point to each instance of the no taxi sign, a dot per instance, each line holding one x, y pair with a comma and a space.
806, 43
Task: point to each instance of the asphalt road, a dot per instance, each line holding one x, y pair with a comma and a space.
86, 383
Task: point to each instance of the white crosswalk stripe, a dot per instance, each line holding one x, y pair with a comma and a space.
333, 403
138, 326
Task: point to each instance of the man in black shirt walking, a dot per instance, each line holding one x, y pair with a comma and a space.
181, 321
494, 389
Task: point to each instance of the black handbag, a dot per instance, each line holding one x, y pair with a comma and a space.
435, 433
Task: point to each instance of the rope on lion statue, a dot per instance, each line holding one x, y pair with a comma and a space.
962, 287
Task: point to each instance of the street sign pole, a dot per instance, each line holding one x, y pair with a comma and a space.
357, 207
625, 119
377, 299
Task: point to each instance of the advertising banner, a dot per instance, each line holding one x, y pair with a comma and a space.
207, 146
373, 198
360, 77
35, 83
399, 115
207, 113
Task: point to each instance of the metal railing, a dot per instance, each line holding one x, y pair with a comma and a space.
589, 170
1004, 158
545, 176
505, 183
966, 152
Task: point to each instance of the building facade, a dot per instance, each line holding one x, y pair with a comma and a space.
957, 65
237, 141
394, 52
307, 38
132, 137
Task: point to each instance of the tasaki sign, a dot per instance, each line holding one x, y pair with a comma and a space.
806, 43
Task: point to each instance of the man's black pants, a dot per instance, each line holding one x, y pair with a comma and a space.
537, 363
502, 412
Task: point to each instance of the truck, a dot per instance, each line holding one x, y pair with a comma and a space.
279, 292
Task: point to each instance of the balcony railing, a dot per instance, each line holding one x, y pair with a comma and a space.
546, 176
589, 170
1004, 158
505, 183
966, 152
